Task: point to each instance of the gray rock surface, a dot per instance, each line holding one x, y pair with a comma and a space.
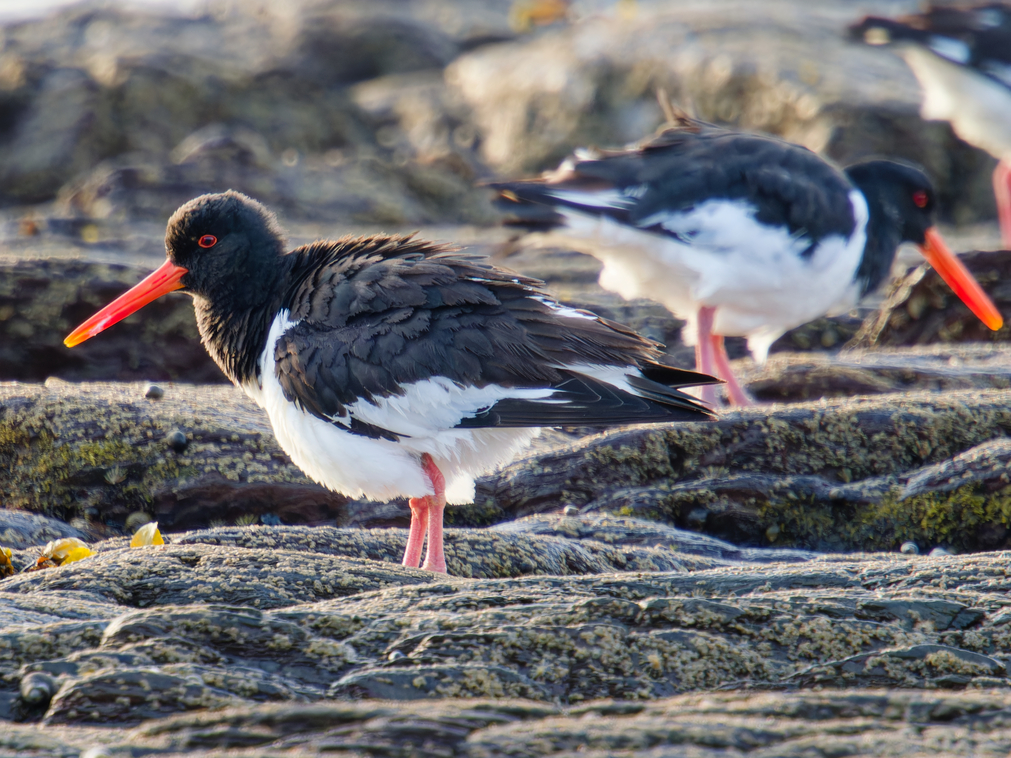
21, 529
824, 475
941, 367
158, 633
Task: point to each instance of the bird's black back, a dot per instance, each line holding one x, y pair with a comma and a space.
377, 314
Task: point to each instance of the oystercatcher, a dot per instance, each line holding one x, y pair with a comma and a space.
390, 366
738, 234
962, 59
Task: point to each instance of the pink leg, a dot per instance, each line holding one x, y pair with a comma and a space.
705, 360
435, 559
1002, 191
419, 525
734, 389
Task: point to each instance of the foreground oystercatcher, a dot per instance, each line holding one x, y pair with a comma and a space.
390, 366
962, 59
738, 234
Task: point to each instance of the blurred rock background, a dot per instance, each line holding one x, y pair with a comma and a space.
386, 112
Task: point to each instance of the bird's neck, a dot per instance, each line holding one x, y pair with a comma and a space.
233, 328
884, 235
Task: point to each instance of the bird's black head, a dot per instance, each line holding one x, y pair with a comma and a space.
226, 250
899, 197
901, 203
226, 242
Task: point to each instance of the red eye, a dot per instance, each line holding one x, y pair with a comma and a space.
920, 199
209, 240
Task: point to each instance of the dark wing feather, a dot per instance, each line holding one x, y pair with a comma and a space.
376, 314
683, 166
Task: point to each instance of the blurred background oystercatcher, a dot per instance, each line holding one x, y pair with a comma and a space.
962, 59
738, 234
390, 366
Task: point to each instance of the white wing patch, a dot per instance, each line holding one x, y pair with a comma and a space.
435, 405
725, 226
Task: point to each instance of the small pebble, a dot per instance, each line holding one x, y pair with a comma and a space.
772, 533
396, 655
570, 510
38, 688
909, 548
153, 392
96, 752
176, 440
940, 551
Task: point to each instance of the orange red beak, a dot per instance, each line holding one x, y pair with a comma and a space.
957, 276
161, 281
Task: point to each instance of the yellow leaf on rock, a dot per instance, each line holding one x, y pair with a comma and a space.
147, 535
58, 552
75, 554
6, 567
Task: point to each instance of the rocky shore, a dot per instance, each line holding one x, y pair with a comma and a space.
822, 575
